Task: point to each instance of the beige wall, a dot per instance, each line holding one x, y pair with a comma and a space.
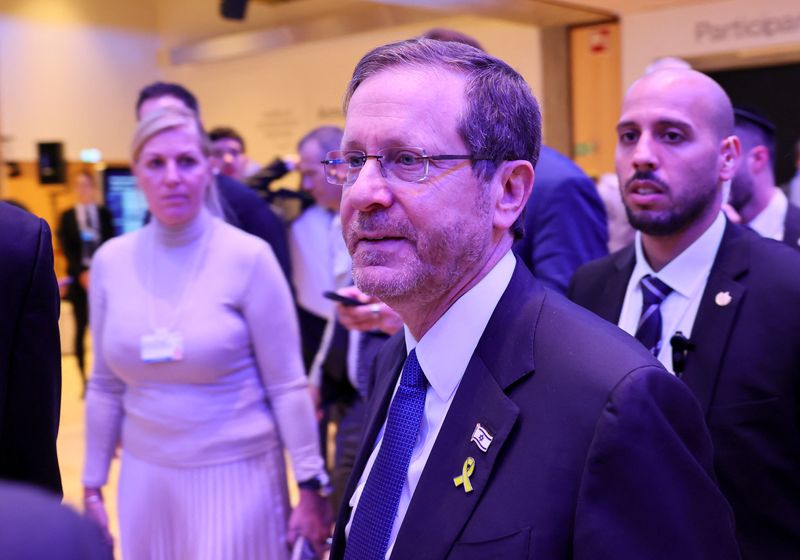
274, 97
69, 70
738, 27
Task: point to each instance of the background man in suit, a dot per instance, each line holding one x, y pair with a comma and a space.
30, 351
81, 231
565, 222
242, 206
728, 323
759, 203
521, 427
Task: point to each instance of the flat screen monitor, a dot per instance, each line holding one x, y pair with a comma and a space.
124, 199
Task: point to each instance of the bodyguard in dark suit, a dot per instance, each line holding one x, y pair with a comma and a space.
565, 222
30, 354
755, 198
521, 426
728, 321
81, 231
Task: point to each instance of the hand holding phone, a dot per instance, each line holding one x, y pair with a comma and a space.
344, 300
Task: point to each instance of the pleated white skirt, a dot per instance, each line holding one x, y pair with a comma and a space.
229, 511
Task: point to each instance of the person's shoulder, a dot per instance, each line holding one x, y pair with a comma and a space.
235, 191
20, 231
769, 260
600, 267
12, 218
27, 514
239, 244
553, 168
571, 343
120, 245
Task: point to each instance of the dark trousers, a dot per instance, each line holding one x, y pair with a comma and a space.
80, 309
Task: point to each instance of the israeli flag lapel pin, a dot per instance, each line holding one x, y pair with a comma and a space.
481, 437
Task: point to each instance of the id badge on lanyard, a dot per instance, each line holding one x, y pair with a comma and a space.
162, 346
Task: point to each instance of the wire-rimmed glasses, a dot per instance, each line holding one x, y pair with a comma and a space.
405, 163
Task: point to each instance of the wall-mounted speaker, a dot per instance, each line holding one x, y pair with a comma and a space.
233, 9
51, 163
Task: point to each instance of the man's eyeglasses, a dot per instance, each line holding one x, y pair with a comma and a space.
406, 164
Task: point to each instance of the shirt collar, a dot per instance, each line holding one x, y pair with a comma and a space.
689, 270
446, 349
769, 223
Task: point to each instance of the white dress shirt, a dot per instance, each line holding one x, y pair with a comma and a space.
312, 259
443, 353
686, 274
771, 222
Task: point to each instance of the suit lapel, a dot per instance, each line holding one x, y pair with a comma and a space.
609, 305
717, 314
439, 509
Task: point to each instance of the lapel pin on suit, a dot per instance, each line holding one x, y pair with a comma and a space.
722, 298
482, 437
466, 472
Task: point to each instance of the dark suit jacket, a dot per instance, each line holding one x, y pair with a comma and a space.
36, 527
745, 371
791, 232
30, 351
598, 453
246, 210
565, 221
69, 236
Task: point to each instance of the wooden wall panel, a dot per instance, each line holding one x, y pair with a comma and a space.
596, 95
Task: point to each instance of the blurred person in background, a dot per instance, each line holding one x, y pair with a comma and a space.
241, 206
620, 231
228, 152
792, 187
197, 373
758, 202
81, 231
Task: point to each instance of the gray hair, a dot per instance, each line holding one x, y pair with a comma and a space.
169, 118
328, 137
502, 121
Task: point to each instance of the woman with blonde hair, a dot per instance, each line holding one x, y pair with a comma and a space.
197, 373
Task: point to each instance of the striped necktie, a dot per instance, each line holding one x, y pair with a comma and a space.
377, 508
654, 292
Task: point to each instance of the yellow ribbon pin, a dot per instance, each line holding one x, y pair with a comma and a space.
466, 472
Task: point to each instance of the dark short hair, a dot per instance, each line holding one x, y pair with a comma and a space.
226, 133
502, 121
753, 123
167, 89
328, 137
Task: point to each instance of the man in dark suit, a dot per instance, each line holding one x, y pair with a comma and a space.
714, 301
242, 206
81, 231
521, 427
565, 222
758, 202
30, 353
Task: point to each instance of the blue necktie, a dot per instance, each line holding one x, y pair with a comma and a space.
654, 292
377, 507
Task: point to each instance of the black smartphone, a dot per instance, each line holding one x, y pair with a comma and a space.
344, 300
